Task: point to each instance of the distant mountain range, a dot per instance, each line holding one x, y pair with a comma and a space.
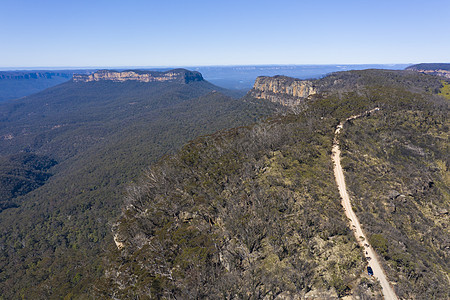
16, 84
430, 66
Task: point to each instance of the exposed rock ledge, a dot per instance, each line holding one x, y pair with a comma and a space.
276, 89
438, 72
177, 75
439, 69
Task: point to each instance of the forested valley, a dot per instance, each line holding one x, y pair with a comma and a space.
68, 153
134, 190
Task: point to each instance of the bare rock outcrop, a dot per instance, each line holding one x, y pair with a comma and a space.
177, 75
283, 90
439, 69
443, 73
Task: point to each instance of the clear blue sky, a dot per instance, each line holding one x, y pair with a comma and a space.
82, 33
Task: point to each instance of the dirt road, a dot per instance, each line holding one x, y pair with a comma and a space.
378, 272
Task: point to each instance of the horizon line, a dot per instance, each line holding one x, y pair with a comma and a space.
32, 68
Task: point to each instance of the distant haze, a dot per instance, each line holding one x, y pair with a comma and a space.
15, 84
243, 77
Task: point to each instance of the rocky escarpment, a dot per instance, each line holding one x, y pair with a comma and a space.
432, 69
443, 73
19, 75
283, 90
291, 92
177, 75
17, 84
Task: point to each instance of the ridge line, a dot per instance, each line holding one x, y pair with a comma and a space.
355, 226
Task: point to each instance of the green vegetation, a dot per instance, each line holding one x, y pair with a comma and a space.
16, 84
445, 90
249, 212
430, 66
358, 81
20, 174
265, 197
396, 166
103, 135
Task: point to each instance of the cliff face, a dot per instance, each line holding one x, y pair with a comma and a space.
32, 75
177, 75
443, 73
283, 90
17, 84
439, 69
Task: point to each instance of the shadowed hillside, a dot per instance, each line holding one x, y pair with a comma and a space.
102, 134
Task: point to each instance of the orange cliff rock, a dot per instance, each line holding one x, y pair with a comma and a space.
179, 75
276, 88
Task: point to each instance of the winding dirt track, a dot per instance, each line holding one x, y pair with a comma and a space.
378, 272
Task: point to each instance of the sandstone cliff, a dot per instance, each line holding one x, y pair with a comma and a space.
443, 73
24, 75
283, 90
177, 75
439, 69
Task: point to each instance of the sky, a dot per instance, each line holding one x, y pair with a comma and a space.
114, 33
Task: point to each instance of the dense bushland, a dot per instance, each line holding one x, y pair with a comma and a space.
20, 174
254, 212
396, 166
251, 211
103, 135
